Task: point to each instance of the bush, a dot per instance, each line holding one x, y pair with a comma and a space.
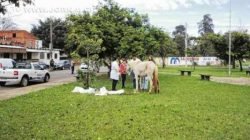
83, 77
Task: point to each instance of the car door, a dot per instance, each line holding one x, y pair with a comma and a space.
38, 72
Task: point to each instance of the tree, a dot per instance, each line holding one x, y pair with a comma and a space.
240, 46
7, 24
179, 39
204, 46
84, 35
179, 30
17, 3
42, 32
118, 28
166, 47
206, 25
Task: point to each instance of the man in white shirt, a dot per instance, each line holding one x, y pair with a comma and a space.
114, 74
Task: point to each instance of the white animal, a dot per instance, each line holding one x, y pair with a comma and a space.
146, 68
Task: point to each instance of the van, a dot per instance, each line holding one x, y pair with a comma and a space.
7, 63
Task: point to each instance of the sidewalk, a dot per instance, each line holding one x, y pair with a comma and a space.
11, 93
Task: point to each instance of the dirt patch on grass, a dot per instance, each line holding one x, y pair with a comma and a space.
232, 80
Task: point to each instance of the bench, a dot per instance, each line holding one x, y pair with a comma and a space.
185, 71
205, 77
248, 72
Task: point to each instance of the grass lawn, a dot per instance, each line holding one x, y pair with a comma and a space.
186, 108
212, 70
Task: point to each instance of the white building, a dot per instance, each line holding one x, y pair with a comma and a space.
43, 55
26, 54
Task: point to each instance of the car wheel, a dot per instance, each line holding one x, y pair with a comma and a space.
2, 84
46, 78
24, 82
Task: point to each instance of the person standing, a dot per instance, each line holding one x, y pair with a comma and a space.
52, 64
72, 67
123, 71
114, 74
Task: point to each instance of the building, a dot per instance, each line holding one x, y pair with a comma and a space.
21, 45
18, 38
43, 55
14, 52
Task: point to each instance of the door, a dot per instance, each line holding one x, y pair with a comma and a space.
38, 72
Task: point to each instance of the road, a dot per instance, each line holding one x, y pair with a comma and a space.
57, 77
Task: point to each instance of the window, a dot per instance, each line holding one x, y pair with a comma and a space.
14, 35
55, 56
41, 55
48, 56
37, 67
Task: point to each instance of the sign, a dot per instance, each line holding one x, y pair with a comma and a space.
202, 61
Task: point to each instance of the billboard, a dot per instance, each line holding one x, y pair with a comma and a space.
202, 61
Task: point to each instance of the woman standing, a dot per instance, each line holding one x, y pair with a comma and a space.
114, 74
123, 71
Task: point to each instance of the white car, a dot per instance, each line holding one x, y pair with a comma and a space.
22, 73
84, 67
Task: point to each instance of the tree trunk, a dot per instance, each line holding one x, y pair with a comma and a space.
241, 69
163, 62
233, 62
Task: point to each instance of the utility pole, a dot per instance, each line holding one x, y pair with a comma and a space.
51, 37
51, 40
230, 39
88, 68
186, 43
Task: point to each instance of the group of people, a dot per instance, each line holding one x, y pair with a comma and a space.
119, 68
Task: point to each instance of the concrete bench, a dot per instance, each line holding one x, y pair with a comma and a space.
185, 71
205, 77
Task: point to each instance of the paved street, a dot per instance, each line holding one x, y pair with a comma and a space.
57, 77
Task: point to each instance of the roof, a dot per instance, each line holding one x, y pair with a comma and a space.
14, 47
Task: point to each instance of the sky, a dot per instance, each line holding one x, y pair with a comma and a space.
165, 14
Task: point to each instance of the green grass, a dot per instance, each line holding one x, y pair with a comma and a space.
186, 108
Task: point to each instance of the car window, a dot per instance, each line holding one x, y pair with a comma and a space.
37, 67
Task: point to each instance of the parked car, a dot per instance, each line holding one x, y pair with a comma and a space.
23, 73
43, 65
84, 67
62, 64
7, 63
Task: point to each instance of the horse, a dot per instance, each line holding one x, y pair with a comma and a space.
145, 68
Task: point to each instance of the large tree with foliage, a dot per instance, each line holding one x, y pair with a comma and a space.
204, 46
42, 32
240, 46
206, 25
124, 33
16, 3
179, 39
166, 46
84, 37
239, 50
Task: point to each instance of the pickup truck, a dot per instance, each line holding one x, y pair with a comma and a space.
23, 73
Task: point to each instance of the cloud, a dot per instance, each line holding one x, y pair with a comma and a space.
151, 5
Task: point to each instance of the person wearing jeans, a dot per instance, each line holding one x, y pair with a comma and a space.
123, 71
114, 74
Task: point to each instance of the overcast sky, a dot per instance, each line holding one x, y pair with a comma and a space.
162, 13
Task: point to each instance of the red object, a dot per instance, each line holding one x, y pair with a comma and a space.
123, 68
1, 66
15, 73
